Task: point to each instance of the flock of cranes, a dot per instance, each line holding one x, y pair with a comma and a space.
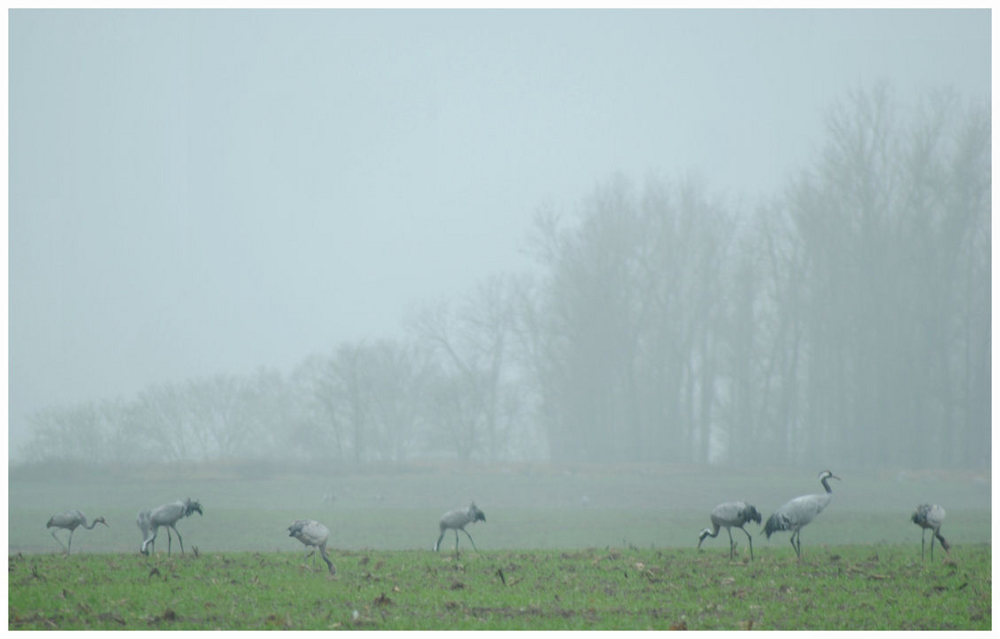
310, 532
793, 515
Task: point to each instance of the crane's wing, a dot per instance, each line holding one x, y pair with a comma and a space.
935, 515
728, 512
804, 509
455, 518
309, 532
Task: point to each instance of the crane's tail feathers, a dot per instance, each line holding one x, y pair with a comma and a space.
775, 523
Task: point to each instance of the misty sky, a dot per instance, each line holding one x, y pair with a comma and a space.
197, 192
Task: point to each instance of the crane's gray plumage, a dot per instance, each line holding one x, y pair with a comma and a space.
799, 512
314, 535
71, 520
457, 520
930, 516
731, 514
165, 515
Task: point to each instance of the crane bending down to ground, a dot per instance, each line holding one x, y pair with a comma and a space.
457, 520
727, 515
314, 535
930, 516
166, 515
70, 521
799, 512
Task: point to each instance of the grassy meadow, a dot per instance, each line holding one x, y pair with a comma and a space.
840, 587
571, 548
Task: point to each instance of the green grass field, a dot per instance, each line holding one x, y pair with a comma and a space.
840, 587
624, 557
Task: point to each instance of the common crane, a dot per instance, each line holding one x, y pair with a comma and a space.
457, 520
731, 514
167, 515
799, 512
930, 516
314, 535
70, 521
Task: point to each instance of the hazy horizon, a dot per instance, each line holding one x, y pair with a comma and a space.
196, 192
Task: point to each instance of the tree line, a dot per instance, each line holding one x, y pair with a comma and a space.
843, 321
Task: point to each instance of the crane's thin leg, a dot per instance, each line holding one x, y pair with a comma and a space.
437, 544
456, 541
179, 540
470, 539
923, 540
61, 544
749, 539
732, 544
169, 541
70, 546
932, 546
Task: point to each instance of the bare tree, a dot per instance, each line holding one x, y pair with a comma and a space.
474, 343
889, 220
627, 315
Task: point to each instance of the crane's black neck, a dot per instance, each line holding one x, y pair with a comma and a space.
826, 485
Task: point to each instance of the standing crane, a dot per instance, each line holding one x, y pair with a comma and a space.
731, 514
930, 516
314, 535
795, 514
457, 520
166, 515
70, 521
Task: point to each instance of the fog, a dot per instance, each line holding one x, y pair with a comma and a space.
706, 237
